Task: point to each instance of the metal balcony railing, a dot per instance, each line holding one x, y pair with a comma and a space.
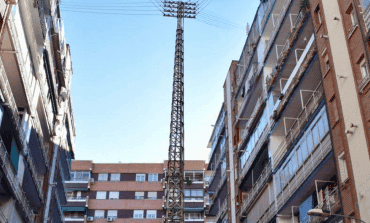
261, 100
74, 198
314, 159
269, 214
278, 23
254, 152
59, 206
331, 204
70, 106
220, 184
3, 218
222, 211
256, 188
216, 134
300, 122
366, 15
40, 6
247, 92
10, 174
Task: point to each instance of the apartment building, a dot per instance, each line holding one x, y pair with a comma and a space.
129, 192
36, 116
296, 116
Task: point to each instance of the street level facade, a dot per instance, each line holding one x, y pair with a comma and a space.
36, 114
295, 118
130, 192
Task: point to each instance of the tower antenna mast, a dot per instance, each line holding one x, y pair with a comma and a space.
174, 203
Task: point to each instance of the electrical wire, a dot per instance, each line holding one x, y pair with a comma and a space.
67, 10
123, 10
218, 20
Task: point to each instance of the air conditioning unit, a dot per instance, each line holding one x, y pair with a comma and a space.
92, 180
90, 218
110, 218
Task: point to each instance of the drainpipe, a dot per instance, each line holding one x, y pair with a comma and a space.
51, 181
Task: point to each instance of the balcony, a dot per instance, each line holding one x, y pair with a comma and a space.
219, 186
221, 212
9, 171
258, 106
244, 170
300, 176
277, 23
256, 189
366, 15
300, 122
331, 204
216, 134
269, 214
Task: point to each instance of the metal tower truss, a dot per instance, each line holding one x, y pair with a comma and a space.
174, 203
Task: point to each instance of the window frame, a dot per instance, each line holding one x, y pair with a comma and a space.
101, 192
116, 214
99, 211
103, 177
342, 168
115, 178
152, 197
137, 195
149, 215
139, 176
364, 68
138, 213
113, 192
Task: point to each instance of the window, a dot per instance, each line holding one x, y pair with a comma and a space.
197, 193
115, 177
353, 18
101, 195
103, 177
364, 69
113, 195
78, 194
152, 195
315, 134
140, 177
138, 214
99, 213
187, 193
139, 195
192, 215
112, 213
152, 177
342, 167
151, 214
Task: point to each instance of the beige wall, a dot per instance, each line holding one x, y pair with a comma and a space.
125, 204
350, 106
126, 186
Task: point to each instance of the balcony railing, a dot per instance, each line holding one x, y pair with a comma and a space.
254, 152
314, 159
76, 198
277, 27
257, 187
268, 214
220, 184
300, 122
366, 15
247, 92
261, 100
10, 173
216, 133
331, 204
2, 217
222, 211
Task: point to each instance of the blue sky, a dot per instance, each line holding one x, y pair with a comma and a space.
123, 72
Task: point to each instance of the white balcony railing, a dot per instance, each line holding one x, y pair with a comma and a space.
311, 105
314, 159
366, 15
257, 187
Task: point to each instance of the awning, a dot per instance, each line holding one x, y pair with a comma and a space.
73, 209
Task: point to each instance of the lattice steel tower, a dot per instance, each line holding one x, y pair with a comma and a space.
174, 203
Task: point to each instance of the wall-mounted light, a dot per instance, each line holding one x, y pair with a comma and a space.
324, 36
336, 18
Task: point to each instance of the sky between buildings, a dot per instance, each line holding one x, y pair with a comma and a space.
123, 73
